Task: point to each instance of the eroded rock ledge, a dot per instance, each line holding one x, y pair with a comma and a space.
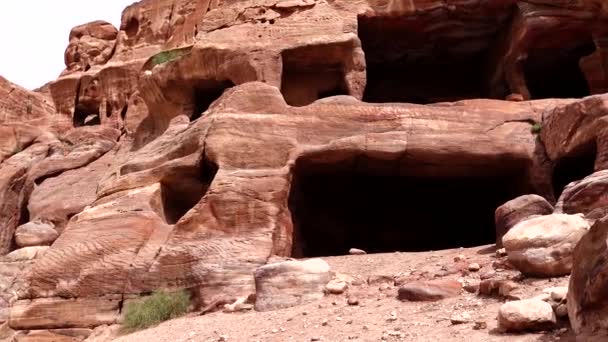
203, 138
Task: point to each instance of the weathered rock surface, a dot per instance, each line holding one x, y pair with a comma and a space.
517, 210
35, 234
577, 130
432, 290
56, 335
587, 196
90, 45
543, 246
290, 283
52, 313
169, 152
586, 293
26, 253
12, 281
526, 315
18, 107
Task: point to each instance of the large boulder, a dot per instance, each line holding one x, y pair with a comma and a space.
587, 295
542, 246
290, 283
199, 184
588, 196
517, 210
91, 44
35, 234
526, 315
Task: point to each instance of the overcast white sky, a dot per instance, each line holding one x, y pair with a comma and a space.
34, 34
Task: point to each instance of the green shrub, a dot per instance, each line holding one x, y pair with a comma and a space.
536, 128
167, 56
158, 307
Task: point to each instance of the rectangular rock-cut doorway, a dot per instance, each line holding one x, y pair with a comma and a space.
407, 64
556, 72
374, 205
314, 72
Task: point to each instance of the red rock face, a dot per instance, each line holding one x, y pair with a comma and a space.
204, 137
90, 44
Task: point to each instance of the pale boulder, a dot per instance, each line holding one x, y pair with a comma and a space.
526, 315
542, 246
516, 210
336, 287
290, 283
35, 234
558, 293
25, 254
356, 251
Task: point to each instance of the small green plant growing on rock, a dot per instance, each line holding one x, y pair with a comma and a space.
152, 310
536, 128
167, 56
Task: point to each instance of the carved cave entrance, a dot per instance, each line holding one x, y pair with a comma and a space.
204, 93
313, 72
406, 64
380, 206
183, 189
556, 73
577, 165
86, 115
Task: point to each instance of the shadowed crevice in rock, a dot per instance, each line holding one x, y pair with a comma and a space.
410, 60
205, 92
84, 116
131, 28
184, 188
556, 73
383, 205
314, 72
575, 166
406, 63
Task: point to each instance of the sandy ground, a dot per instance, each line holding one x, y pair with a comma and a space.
379, 317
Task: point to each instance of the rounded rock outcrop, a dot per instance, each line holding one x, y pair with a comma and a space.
35, 234
542, 246
517, 210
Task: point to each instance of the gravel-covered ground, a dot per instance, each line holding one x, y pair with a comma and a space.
379, 316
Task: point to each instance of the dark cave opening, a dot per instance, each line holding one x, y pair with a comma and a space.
123, 112
556, 73
406, 65
204, 93
184, 188
313, 72
132, 27
360, 203
573, 167
86, 116
427, 81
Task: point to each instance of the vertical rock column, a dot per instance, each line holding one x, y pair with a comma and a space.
595, 67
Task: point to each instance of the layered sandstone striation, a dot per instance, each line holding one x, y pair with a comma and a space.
202, 138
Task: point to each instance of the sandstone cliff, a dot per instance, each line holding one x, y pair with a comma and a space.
201, 138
